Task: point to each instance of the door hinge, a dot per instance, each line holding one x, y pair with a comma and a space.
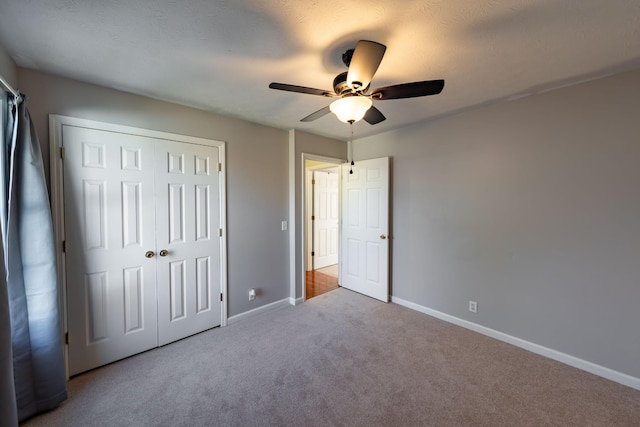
62, 153
221, 297
66, 338
313, 217
64, 246
313, 182
219, 232
219, 167
313, 253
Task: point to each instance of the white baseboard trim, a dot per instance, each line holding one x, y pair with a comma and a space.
296, 301
256, 311
567, 359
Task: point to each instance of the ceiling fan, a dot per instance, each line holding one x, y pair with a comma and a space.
352, 87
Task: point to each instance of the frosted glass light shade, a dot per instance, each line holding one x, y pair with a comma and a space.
350, 109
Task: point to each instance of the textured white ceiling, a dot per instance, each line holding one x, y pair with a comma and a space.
221, 55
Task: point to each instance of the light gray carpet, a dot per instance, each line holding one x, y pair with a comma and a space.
342, 359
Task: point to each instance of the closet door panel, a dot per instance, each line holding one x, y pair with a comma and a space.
110, 224
187, 213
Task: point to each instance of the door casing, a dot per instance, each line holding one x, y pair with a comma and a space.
331, 161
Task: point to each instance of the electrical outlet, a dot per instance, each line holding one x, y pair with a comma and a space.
473, 306
252, 294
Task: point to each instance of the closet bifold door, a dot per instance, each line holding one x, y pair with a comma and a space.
143, 248
187, 214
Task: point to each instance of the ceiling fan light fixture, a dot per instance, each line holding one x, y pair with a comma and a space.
351, 108
355, 101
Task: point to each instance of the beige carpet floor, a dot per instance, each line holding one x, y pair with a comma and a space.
342, 359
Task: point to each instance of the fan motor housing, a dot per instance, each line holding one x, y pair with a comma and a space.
340, 86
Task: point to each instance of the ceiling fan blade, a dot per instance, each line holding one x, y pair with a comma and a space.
373, 116
320, 113
302, 89
364, 64
408, 90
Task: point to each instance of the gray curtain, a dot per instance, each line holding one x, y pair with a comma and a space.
8, 410
30, 269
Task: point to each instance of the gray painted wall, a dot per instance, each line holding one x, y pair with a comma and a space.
8, 68
532, 209
257, 172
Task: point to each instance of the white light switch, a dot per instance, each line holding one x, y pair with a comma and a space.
284, 225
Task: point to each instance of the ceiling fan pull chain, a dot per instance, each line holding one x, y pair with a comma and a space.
350, 148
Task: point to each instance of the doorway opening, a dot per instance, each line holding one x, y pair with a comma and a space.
321, 225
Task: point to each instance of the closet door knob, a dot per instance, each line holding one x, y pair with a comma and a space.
149, 254
164, 252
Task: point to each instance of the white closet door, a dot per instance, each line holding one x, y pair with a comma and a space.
142, 221
188, 222
110, 224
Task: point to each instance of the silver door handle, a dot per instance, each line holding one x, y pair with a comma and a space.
149, 254
164, 252
382, 236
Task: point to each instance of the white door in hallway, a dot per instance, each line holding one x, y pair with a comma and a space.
326, 216
364, 259
142, 217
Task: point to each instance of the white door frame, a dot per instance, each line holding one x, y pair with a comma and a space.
56, 123
304, 213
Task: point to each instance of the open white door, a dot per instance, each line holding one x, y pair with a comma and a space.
364, 259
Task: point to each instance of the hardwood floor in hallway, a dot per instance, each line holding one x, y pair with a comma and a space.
321, 281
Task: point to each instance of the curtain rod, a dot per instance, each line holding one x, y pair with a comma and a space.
11, 89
